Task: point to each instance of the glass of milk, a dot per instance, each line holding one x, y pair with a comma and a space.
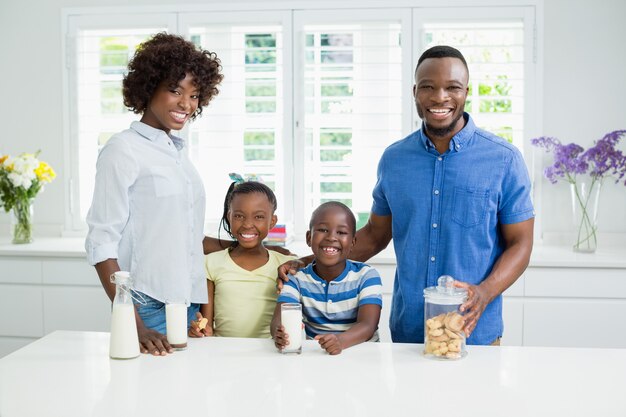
176, 324
291, 319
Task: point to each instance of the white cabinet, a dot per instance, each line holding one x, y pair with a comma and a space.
563, 299
41, 294
583, 307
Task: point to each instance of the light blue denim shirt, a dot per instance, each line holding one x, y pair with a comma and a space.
446, 210
148, 213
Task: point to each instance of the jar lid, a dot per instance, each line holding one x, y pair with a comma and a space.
445, 292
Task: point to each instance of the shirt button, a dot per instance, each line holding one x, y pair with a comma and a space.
457, 146
436, 192
440, 159
169, 143
435, 225
432, 259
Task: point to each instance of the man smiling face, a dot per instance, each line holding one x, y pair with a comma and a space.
440, 91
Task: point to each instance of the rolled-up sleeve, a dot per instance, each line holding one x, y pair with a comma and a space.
116, 171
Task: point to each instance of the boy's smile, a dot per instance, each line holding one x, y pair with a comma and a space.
331, 239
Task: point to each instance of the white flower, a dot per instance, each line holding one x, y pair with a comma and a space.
26, 165
20, 180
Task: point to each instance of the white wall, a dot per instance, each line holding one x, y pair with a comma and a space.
584, 89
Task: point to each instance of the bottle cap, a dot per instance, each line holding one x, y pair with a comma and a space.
120, 277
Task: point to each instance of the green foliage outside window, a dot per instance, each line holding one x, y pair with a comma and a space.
329, 90
500, 87
335, 155
113, 54
258, 138
260, 107
335, 187
258, 155
335, 139
261, 90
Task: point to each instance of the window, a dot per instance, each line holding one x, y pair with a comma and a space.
352, 106
310, 98
243, 128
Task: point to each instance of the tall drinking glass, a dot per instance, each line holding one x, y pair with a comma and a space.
291, 319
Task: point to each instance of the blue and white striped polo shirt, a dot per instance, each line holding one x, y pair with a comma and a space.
332, 307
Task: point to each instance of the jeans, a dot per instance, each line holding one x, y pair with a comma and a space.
152, 313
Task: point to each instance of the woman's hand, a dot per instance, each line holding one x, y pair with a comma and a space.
153, 342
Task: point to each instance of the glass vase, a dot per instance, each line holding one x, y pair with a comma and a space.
22, 222
585, 200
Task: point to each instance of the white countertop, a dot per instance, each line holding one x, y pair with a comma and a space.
70, 374
542, 256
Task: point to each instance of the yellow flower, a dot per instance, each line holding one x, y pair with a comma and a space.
3, 158
44, 172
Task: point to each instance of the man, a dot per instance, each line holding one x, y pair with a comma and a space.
456, 201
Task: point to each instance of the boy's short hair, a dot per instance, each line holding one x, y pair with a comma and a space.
169, 58
342, 206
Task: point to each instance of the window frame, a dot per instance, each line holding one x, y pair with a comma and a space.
293, 15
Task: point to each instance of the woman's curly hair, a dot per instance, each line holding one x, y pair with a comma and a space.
169, 58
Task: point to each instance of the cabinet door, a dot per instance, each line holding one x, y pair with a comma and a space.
76, 308
20, 271
69, 272
383, 324
21, 310
513, 316
575, 323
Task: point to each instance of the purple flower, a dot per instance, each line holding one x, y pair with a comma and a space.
603, 159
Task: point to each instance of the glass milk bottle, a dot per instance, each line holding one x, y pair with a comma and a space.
124, 339
444, 337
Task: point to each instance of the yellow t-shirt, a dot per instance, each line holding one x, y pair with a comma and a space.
244, 300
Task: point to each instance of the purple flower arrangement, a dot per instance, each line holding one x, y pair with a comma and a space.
601, 160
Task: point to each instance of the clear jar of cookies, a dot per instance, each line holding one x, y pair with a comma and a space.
443, 322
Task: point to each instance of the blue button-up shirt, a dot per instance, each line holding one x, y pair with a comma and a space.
446, 209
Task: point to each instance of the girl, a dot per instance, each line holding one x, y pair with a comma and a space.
241, 281
147, 189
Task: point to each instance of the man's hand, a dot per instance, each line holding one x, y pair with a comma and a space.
331, 343
472, 309
289, 267
153, 342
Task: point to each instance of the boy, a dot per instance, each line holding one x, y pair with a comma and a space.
341, 299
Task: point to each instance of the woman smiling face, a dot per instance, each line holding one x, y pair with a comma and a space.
172, 105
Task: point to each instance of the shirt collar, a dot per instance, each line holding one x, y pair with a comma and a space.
458, 141
341, 276
153, 134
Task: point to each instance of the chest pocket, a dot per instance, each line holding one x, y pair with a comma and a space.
166, 181
470, 205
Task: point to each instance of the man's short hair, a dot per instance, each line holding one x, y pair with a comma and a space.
441, 51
